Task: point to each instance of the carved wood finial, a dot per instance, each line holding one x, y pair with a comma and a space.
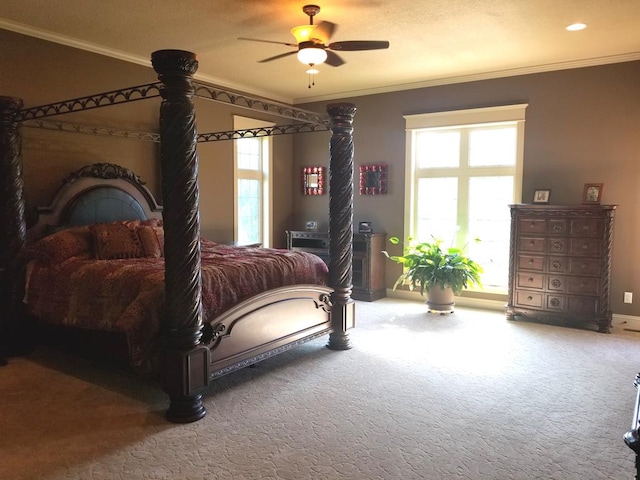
174, 61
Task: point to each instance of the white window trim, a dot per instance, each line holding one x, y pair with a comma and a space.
245, 123
475, 116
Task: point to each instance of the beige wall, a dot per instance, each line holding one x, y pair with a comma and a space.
582, 125
40, 72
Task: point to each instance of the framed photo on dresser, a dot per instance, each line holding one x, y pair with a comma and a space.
541, 196
592, 193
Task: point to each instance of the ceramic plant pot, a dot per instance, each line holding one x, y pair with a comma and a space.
440, 300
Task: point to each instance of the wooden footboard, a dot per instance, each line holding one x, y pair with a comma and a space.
265, 325
632, 437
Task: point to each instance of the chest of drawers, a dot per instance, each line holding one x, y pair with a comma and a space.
560, 263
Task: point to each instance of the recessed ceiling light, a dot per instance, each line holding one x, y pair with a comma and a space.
574, 27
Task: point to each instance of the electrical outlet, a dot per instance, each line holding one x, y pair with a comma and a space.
628, 297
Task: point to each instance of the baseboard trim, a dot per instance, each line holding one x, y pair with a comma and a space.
459, 301
618, 321
626, 322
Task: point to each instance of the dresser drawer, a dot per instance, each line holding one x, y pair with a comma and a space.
583, 285
530, 262
529, 299
589, 247
556, 303
531, 244
530, 280
585, 266
558, 245
557, 226
532, 225
556, 283
586, 227
557, 264
582, 304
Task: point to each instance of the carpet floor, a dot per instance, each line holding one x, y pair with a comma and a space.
419, 396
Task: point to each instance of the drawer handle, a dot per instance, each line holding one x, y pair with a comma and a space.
583, 266
532, 225
530, 279
531, 262
585, 246
529, 298
532, 243
582, 285
585, 227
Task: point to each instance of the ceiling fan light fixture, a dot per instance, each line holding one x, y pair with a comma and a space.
312, 55
302, 33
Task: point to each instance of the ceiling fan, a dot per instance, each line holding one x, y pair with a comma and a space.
313, 47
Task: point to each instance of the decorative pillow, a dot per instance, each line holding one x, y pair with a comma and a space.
116, 240
151, 222
61, 245
152, 240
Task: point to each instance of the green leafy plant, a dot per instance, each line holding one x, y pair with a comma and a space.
427, 264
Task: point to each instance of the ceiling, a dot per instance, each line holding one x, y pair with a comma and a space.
431, 41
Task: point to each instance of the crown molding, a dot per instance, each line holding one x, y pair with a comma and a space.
124, 56
550, 67
128, 57
72, 42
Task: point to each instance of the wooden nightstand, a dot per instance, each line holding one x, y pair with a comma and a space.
368, 260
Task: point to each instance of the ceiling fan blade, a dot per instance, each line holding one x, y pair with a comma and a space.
353, 45
276, 57
324, 31
268, 41
333, 59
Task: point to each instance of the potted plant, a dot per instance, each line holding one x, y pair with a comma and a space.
442, 273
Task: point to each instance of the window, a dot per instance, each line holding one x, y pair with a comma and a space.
463, 170
252, 185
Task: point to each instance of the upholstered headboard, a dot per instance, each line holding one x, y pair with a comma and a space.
98, 193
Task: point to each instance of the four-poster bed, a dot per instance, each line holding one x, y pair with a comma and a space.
193, 351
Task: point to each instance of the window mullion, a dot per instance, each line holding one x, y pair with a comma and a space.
463, 189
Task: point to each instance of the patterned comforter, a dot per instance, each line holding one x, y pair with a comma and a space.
127, 295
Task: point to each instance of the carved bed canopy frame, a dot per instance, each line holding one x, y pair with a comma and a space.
178, 138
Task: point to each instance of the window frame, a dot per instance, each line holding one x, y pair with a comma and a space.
263, 175
479, 117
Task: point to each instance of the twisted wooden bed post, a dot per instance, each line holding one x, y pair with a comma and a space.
341, 223
13, 238
185, 369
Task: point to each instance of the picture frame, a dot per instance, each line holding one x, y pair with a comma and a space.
365, 227
313, 180
592, 193
311, 225
541, 195
373, 179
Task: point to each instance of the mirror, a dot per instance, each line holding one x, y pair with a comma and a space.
313, 181
373, 179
